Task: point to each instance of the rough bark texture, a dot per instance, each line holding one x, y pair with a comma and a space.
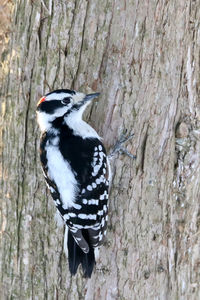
144, 58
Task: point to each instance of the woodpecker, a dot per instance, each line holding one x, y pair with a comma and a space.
77, 172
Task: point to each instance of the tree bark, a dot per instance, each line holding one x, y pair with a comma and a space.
143, 56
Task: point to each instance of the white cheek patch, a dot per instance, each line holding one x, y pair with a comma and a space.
44, 120
61, 111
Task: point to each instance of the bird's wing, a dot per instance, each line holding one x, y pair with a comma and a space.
91, 165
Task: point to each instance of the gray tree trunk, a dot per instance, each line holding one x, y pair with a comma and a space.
144, 58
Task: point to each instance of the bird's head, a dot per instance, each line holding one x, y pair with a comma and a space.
60, 103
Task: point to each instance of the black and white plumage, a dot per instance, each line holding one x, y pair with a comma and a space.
76, 170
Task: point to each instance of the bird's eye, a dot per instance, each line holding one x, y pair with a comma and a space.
66, 100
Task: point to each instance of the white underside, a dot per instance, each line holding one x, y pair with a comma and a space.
60, 172
44, 119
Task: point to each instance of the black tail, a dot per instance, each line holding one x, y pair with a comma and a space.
76, 256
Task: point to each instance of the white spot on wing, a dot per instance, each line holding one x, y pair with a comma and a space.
89, 188
72, 215
102, 222
87, 217
97, 227
66, 217
74, 230
100, 236
105, 208
77, 226
98, 181
93, 202
77, 206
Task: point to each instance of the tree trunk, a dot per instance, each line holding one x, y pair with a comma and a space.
143, 56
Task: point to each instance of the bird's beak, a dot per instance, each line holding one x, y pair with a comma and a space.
83, 103
89, 97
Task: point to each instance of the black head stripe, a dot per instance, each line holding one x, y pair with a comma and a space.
50, 106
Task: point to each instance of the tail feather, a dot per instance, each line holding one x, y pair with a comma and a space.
76, 256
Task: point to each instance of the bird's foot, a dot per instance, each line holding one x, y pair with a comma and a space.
119, 148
